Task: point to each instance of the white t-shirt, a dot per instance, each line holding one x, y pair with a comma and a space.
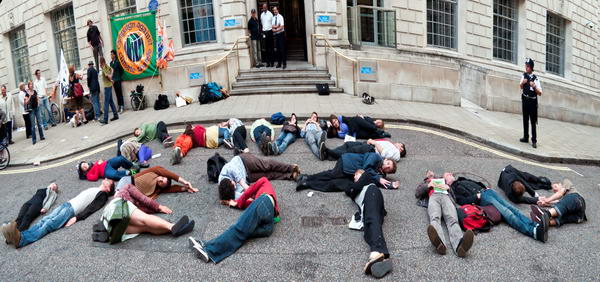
22, 101
40, 86
266, 19
389, 150
84, 199
278, 20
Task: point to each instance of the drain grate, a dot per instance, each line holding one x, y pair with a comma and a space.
319, 221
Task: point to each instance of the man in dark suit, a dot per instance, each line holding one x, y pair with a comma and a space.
94, 86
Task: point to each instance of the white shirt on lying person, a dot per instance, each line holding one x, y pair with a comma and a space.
390, 151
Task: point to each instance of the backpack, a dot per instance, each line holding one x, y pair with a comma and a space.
368, 99
162, 102
214, 165
323, 89
472, 217
278, 118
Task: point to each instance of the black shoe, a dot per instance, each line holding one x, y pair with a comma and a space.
322, 152
534, 145
99, 227
259, 66
180, 223
302, 185
278, 66
101, 237
382, 268
465, 244
284, 66
524, 140
11, 142
144, 165
184, 229
368, 267
435, 240
102, 122
43, 138
114, 118
85, 122
54, 124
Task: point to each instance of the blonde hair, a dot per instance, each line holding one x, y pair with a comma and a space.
21, 86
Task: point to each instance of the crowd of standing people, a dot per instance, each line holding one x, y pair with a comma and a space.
267, 35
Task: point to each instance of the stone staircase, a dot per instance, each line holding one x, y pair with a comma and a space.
296, 78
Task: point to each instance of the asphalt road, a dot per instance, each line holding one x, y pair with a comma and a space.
312, 242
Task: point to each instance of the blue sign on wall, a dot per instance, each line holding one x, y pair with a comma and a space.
195, 75
324, 19
230, 23
153, 5
366, 70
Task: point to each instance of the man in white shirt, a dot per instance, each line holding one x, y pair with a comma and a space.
40, 86
6, 106
279, 34
266, 19
532, 88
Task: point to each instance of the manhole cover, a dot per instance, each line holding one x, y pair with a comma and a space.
338, 221
312, 221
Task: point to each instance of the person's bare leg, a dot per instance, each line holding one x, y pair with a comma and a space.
553, 222
142, 222
83, 115
553, 212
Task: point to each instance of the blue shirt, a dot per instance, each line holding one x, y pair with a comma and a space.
369, 162
236, 171
343, 128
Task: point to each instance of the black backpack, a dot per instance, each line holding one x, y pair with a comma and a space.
214, 165
161, 103
323, 89
204, 97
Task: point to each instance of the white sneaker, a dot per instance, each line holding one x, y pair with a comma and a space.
355, 224
198, 250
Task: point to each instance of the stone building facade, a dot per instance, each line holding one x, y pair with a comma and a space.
438, 51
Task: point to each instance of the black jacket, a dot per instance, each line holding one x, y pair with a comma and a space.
96, 204
465, 190
92, 80
254, 27
356, 187
531, 182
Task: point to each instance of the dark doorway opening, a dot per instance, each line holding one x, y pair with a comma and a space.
295, 26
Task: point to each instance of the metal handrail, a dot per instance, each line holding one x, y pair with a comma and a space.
234, 47
328, 45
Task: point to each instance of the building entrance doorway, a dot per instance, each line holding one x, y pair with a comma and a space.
295, 26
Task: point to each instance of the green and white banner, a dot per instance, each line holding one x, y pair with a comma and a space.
134, 39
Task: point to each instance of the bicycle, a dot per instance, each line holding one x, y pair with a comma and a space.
4, 154
55, 110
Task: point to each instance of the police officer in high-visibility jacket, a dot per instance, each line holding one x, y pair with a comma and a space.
532, 88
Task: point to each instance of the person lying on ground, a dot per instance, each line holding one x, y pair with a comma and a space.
515, 183
385, 148
261, 212
129, 214
40, 203
439, 199
261, 133
360, 127
246, 166
237, 131
314, 136
468, 191
77, 209
150, 131
336, 128
289, 133
370, 214
183, 144
566, 205
338, 178
135, 152
156, 180
109, 169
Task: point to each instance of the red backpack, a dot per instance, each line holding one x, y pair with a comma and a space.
472, 217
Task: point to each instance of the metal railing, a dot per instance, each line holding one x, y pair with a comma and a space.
337, 54
225, 59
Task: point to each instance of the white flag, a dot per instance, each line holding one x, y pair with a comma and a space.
63, 76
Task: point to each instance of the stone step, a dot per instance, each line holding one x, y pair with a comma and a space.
283, 75
288, 69
279, 83
282, 90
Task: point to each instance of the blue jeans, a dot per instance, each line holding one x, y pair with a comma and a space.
284, 140
35, 118
50, 223
257, 133
224, 134
509, 213
108, 100
570, 209
46, 112
256, 221
111, 171
96, 104
312, 138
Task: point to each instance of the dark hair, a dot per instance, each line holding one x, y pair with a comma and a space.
113, 52
82, 174
111, 192
294, 115
315, 113
403, 153
135, 130
331, 118
394, 167
169, 182
382, 124
332, 132
3, 86
188, 130
226, 189
518, 189
36, 71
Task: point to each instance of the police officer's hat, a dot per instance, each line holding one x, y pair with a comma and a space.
529, 62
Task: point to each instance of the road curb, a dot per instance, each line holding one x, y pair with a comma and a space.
388, 119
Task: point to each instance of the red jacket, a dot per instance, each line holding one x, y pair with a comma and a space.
96, 171
262, 186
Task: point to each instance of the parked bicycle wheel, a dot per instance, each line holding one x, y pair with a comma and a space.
4, 157
56, 112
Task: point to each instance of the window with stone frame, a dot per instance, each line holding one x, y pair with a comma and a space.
555, 44
197, 21
505, 30
20, 54
441, 23
65, 35
117, 8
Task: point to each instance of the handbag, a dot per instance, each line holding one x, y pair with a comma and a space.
77, 90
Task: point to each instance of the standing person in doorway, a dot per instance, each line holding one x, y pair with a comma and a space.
532, 88
266, 20
25, 109
117, 78
7, 106
95, 40
94, 86
39, 84
279, 34
107, 83
255, 34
